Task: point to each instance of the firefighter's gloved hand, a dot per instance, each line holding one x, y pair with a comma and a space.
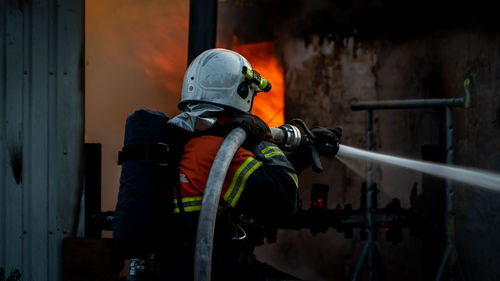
256, 129
327, 140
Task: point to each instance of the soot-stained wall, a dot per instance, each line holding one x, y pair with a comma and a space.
334, 52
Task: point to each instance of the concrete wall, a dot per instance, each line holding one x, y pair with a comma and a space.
41, 132
338, 59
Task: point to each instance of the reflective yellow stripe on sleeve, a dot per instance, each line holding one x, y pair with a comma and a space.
294, 178
263, 151
272, 151
239, 180
190, 204
272, 154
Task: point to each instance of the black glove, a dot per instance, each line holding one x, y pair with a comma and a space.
327, 140
256, 129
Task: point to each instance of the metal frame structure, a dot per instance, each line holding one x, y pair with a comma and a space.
370, 251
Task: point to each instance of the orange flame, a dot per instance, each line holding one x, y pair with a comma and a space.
268, 106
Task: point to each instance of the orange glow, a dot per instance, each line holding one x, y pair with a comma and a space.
268, 106
164, 59
135, 57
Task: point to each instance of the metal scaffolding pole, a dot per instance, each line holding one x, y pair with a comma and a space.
407, 104
370, 250
369, 189
450, 253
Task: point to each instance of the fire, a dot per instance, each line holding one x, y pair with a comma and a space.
136, 55
268, 106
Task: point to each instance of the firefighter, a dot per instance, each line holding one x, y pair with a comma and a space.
261, 185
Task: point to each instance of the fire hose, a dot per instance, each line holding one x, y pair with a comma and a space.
287, 135
210, 203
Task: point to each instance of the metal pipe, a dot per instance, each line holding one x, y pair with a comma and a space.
359, 264
404, 104
442, 264
369, 194
449, 217
449, 161
368, 249
210, 203
450, 222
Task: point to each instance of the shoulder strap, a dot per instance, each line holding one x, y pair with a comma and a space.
179, 137
154, 153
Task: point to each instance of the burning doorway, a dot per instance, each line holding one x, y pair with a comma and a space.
268, 106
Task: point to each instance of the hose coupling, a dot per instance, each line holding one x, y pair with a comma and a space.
292, 137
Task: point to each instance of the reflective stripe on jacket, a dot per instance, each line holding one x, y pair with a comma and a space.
271, 155
196, 162
198, 156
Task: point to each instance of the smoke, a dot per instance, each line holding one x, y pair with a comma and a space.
135, 57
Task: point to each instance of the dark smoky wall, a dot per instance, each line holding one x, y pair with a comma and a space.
335, 51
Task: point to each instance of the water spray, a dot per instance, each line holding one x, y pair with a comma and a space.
291, 137
466, 175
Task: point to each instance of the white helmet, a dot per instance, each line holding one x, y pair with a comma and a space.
222, 77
